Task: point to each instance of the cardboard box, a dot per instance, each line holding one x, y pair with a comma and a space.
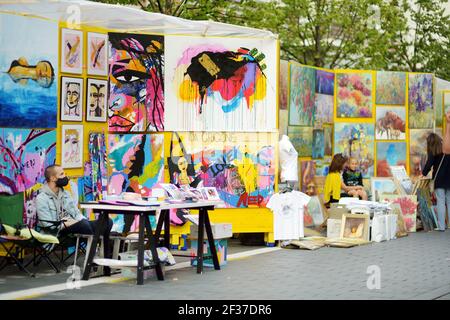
221, 248
219, 230
337, 210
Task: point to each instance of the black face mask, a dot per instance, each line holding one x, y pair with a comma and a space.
62, 182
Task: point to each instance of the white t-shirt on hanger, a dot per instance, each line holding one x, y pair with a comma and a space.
288, 209
288, 160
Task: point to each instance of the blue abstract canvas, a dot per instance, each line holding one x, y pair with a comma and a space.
28, 72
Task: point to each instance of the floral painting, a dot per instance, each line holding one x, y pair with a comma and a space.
421, 112
354, 95
390, 123
408, 205
302, 89
390, 154
391, 87
301, 138
356, 140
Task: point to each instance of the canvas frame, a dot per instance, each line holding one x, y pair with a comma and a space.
64, 129
90, 70
105, 100
64, 68
373, 189
364, 217
79, 81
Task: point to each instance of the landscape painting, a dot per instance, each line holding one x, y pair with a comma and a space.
390, 123
391, 87
390, 154
301, 138
302, 89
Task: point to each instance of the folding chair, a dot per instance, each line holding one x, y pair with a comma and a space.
14, 246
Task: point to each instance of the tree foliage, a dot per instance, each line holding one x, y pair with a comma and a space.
410, 35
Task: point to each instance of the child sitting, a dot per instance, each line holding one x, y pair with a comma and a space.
353, 180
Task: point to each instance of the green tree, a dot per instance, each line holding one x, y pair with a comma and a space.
424, 44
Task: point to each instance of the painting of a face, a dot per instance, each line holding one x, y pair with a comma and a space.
182, 164
96, 99
71, 99
136, 101
72, 149
73, 96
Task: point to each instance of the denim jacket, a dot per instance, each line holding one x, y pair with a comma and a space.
55, 207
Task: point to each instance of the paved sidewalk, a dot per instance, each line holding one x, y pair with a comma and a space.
414, 267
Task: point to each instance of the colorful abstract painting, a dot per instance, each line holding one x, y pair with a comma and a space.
30, 213
284, 84
95, 172
390, 154
71, 51
307, 174
390, 123
408, 205
354, 95
97, 54
417, 150
302, 87
322, 166
328, 140
136, 162
318, 147
28, 65
421, 112
356, 140
24, 155
221, 84
136, 78
72, 146
241, 166
302, 140
324, 109
391, 87
325, 82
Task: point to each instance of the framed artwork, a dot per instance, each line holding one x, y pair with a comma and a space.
220, 84
97, 54
355, 227
417, 150
314, 214
71, 99
322, 166
325, 82
324, 109
408, 204
302, 87
29, 72
356, 140
391, 87
446, 101
328, 140
284, 81
307, 174
318, 149
401, 226
390, 154
136, 86
354, 95
385, 186
390, 123
420, 91
72, 146
96, 100
302, 140
71, 51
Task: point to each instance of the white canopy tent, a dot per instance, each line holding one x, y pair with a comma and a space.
125, 19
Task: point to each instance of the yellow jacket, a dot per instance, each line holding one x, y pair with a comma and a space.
332, 188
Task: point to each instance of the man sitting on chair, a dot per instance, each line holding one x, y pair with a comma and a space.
55, 204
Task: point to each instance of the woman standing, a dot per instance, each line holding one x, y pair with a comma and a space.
440, 163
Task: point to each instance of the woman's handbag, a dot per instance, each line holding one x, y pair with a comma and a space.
433, 194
